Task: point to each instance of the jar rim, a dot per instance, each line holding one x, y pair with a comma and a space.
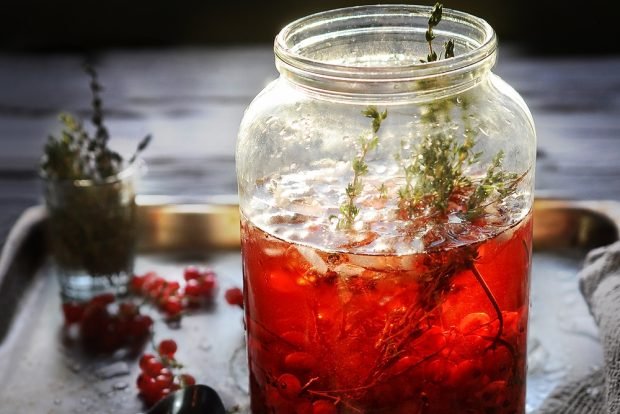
289, 51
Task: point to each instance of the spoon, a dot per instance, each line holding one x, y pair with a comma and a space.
194, 399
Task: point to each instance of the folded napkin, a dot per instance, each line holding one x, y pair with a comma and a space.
599, 392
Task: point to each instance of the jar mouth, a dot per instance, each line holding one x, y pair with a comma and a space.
380, 43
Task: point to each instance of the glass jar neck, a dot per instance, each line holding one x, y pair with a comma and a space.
376, 53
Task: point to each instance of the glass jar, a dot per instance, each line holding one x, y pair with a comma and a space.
386, 209
92, 233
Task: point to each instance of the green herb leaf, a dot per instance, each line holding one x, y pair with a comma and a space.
348, 210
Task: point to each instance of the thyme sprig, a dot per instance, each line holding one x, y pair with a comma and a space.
433, 21
496, 182
75, 154
438, 169
367, 142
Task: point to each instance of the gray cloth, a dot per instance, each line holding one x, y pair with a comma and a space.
599, 392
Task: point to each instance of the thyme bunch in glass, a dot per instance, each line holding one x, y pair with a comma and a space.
367, 142
91, 226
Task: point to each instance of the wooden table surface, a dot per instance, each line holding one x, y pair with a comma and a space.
192, 101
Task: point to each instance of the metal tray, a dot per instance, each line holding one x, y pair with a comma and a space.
40, 372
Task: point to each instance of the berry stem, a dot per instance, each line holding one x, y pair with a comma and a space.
492, 299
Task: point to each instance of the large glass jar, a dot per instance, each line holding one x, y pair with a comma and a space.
386, 219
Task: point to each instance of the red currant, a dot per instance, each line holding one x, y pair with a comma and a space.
234, 296
191, 273
146, 384
288, 386
73, 312
186, 379
153, 367
140, 326
167, 348
300, 361
323, 407
127, 309
193, 288
163, 381
137, 282
208, 285
173, 306
146, 360
170, 289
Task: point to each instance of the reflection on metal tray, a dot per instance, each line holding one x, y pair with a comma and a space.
41, 374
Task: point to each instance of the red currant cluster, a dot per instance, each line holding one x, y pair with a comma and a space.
234, 296
157, 379
172, 298
105, 326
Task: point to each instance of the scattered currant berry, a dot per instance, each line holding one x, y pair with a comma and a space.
191, 273
167, 347
186, 379
73, 312
153, 368
173, 298
145, 360
105, 327
173, 306
157, 378
234, 296
193, 288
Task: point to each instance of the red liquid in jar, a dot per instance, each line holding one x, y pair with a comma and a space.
335, 332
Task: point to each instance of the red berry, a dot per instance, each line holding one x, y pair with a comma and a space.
73, 312
323, 407
186, 379
137, 282
166, 373
234, 296
140, 325
145, 360
167, 347
154, 286
103, 299
208, 285
146, 280
94, 323
288, 386
170, 289
303, 407
153, 368
191, 273
475, 323
146, 384
127, 309
300, 361
193, 288
173, 306
163, 381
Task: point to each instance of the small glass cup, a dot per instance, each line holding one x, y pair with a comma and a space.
92, 233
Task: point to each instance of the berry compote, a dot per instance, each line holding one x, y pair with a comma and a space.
440, 331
